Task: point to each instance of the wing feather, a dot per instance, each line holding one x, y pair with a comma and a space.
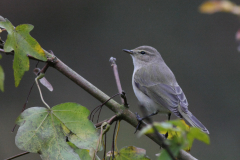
162, 89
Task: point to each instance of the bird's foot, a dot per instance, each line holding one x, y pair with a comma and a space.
166, 135
123, 95
139, 121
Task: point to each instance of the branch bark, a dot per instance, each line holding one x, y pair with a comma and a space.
120, 111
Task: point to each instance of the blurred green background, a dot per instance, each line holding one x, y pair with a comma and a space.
200, 49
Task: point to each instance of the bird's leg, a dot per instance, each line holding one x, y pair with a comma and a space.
169, 116
123, 95
141, 119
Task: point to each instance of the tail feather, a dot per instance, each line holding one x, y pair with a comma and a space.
193, 121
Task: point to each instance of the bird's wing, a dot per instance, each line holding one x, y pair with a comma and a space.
162, 89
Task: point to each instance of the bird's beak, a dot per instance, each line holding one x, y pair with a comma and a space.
128, 51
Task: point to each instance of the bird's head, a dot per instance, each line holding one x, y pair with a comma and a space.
144, 55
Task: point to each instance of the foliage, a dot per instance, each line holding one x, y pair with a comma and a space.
23, 44
44, 131
181, 137
129, 153
84, 154
210, 7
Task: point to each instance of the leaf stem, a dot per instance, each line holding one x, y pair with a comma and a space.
40, 92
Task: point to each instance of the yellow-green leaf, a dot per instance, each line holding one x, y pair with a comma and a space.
161, 127
210, 7
23, 44
199, 135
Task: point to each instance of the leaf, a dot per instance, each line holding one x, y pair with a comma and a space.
180, 123
161, 127
164, 154
198, 134
43, 80
41, 130
23, 44
211, 7
131, 153
1, 79
84, 154
79, 130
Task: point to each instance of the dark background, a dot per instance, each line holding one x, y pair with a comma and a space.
200, 49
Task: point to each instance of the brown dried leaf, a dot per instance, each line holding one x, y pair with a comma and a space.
43, 80
238, 35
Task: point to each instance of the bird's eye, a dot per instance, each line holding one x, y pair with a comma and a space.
142, 52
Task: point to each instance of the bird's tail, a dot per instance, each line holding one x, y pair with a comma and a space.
194, 121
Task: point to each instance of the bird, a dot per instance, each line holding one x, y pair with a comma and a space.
156, 87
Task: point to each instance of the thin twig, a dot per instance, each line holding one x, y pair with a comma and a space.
99, 113
44, 69
19, 155
117, 135
105, 144
112, 61
109, 121
113, 144
100, 107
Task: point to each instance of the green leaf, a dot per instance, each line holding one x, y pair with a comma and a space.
161, 127
23, 44
41, 130
1, 79
180, 123
131, 153
164, 154
198, 134
79, 130
84, 154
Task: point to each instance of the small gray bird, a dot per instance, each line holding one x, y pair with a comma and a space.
156, 87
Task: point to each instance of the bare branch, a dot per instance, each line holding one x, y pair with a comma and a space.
120, 111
